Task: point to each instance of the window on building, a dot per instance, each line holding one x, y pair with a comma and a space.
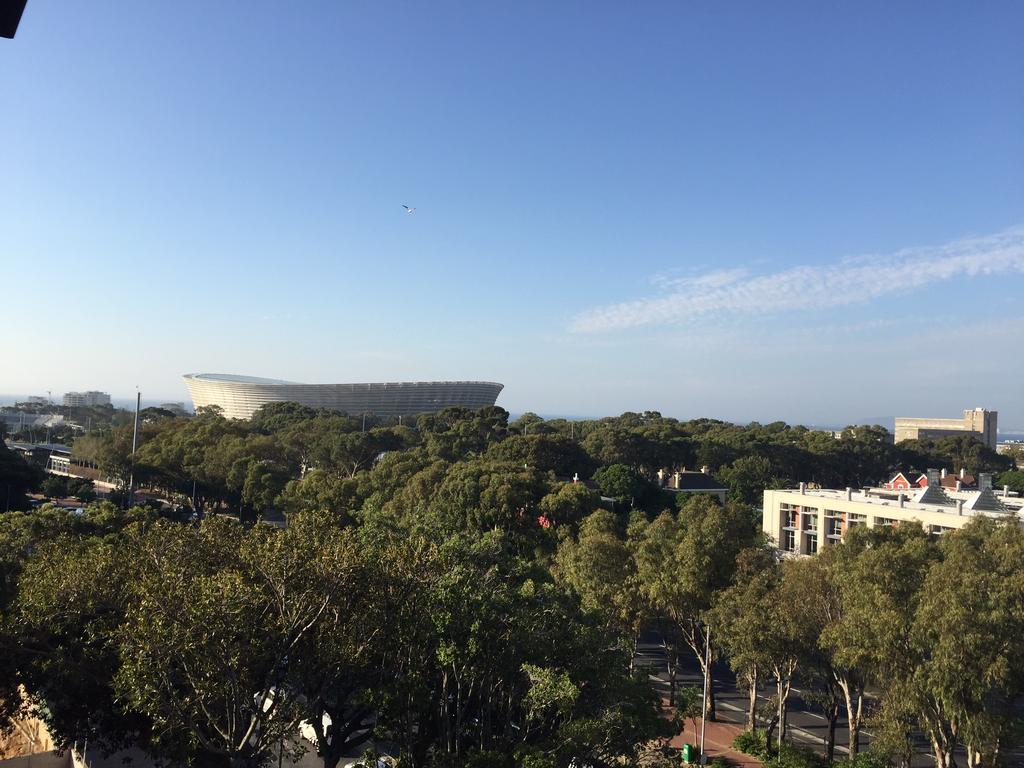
853, 519
792, 519
789, 541
812, 543
833, 526
811, 522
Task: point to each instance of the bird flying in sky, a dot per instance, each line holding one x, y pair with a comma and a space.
408, 209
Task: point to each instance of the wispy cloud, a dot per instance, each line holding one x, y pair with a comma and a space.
714, 279
850, 281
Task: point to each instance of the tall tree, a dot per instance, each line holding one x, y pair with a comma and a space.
72, 595
683, 563
213, 618
481, 495
343, 662
839, 662
741, 620
568, 504
17, 478
598, 567
879, 573
747, 477
967, 640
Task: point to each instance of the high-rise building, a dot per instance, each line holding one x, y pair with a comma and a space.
79, 399
977, 422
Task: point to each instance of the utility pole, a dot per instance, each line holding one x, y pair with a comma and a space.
135, 442
707, 675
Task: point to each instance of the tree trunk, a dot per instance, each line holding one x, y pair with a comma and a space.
830, 739
781, 713
752, 700
348, 729
673, 666
696, 640
943, 757
854, 711
943, 744
768, 730
446, 715
708, 669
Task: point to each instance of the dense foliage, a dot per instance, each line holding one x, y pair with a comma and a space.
934, 628
288, 451
214, 642
17, 478
444, 588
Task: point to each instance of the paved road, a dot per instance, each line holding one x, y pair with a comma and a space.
807, 726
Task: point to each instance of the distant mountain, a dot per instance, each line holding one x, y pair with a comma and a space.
885, 421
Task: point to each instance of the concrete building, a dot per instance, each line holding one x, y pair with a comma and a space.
801, 521
80, 399
978, 422
239, 397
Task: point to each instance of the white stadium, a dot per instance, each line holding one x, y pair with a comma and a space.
239, 397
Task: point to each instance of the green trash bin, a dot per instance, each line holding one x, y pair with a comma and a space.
689, 753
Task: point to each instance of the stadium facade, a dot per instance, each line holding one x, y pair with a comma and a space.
239, 397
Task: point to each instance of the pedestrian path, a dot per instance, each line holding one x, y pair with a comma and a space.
717, 741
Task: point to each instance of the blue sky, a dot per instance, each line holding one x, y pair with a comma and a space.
810, 212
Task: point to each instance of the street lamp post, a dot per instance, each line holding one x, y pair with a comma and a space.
135, 441
707, 675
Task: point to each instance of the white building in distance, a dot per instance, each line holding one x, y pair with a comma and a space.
80, 399
977, 422
802, 521
239, 397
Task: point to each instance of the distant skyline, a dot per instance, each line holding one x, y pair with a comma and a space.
799, 212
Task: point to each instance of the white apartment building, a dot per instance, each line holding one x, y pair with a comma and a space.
801, 521
80, 399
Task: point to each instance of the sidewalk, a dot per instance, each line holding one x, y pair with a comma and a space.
717, 742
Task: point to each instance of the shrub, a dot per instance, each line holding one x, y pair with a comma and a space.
83, 490
55, 487
866, 760
796, 757
753, 743
750, 742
